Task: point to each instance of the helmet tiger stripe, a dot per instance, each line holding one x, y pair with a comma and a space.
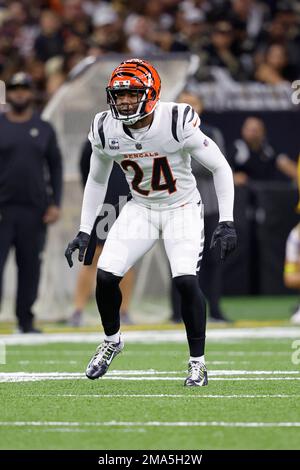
139, 76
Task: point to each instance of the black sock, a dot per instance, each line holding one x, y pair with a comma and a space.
109, 299
193, 310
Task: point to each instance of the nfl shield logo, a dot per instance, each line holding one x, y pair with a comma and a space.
113, 144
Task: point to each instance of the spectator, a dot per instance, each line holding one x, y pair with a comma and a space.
29, 201
220, 52
192, 31
273, 69
256, 168
249, 13
253, 158
50, 42
108, 31
141, 36
43, 30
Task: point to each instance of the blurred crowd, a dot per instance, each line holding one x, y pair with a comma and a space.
251, 39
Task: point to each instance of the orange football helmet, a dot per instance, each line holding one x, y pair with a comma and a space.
138, 76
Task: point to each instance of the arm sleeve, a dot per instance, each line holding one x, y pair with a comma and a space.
84, 162
95, 190
96, 185
207, 153
54, 161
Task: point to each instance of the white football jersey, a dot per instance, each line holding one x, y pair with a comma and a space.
155, 163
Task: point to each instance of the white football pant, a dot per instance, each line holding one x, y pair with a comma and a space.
137, 228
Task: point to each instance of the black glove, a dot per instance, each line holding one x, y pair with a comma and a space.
80, 242
225, 232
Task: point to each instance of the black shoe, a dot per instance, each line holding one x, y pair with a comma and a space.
218, 317
31, 329
176, 320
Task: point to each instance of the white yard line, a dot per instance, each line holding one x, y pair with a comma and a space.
25, 363
119, 372
159, 395
249, 353
222, 353
142, 379
155, 336
92, 424
142, 375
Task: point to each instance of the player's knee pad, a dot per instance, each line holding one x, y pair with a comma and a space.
106, 279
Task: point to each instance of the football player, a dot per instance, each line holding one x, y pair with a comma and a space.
292, 258
153, 143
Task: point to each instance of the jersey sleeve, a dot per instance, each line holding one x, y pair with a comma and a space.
190, 122
100, 164
96, 133
96, 185
206, 152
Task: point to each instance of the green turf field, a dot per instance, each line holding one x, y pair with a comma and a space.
243, 311
251, 402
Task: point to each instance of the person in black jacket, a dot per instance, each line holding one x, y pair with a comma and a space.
30, 191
